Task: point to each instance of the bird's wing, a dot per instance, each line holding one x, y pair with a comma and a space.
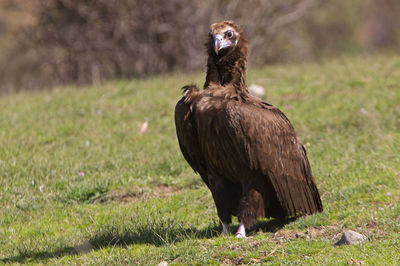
269, 144
187, 138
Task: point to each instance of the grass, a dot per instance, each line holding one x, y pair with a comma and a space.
80, 185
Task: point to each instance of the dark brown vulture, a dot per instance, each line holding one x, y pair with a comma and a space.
244, 149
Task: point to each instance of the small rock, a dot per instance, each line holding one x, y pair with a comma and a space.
363, 111
143, 127
355, 262
350, 237
163, 263
256, 90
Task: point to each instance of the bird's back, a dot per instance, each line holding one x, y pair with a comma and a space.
252, 141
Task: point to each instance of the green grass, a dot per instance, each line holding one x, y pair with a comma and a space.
140, 203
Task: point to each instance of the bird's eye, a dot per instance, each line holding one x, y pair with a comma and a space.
229, 33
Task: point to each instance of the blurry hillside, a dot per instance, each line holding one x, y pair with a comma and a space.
48, 43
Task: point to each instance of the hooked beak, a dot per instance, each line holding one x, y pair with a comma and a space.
220, 43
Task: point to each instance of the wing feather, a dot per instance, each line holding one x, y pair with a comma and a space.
188, 139
269, 143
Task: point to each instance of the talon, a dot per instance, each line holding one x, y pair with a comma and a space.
240, 235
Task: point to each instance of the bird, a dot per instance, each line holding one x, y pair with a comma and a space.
245, 150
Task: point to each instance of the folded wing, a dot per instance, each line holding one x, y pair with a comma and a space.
268, 141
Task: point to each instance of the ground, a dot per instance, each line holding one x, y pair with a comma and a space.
83, 181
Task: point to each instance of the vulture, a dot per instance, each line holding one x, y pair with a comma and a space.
245, 150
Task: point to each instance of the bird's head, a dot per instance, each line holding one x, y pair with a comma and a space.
226, 37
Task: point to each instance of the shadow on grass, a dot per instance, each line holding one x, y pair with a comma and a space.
114, 236
272, 225
25, 257
169, 233
160, 234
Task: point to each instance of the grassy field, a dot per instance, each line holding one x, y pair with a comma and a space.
80, 184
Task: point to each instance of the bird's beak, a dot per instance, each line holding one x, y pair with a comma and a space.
220, 43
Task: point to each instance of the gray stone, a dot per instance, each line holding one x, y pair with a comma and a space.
350, 237
256, 90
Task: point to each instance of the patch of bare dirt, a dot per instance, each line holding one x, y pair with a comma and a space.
126, 196
310, 233
355, 262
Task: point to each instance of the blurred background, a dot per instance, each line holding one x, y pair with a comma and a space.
56, 42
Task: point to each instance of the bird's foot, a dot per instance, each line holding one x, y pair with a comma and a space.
225, 229
241, 232
240, 235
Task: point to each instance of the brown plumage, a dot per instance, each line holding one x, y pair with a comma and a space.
245, 150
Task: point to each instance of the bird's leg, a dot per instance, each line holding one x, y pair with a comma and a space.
241, 232
251, 207
226, 198
225, 228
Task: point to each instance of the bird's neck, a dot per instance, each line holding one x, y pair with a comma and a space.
227, 70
